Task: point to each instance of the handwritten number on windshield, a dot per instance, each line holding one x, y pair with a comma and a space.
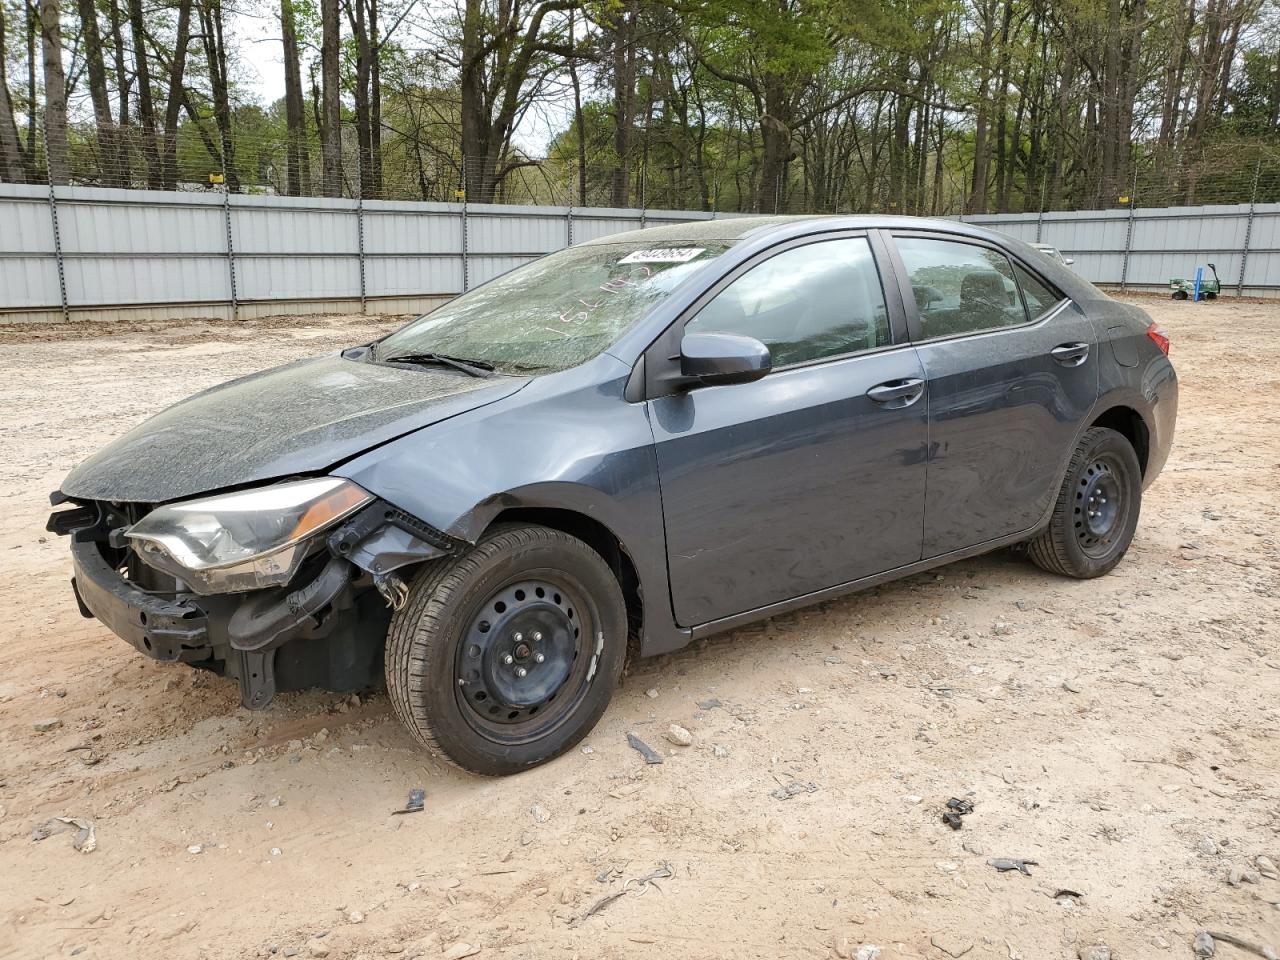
616, 285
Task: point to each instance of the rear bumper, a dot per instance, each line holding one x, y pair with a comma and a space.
168, 630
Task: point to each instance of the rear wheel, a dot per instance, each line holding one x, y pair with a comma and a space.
1211, 295
1179, 294
1096, 513
507, 656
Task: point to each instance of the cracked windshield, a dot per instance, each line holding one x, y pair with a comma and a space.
554, 313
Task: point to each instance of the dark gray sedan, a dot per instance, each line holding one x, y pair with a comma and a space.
624, 446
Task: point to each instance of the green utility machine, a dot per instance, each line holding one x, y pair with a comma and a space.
1207, 289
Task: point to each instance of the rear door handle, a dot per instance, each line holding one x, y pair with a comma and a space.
1071, 354
896, 394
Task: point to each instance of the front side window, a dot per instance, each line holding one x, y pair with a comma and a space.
807, 303
556, 312
960, 287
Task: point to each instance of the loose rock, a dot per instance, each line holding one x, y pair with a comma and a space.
44, 726
1099, 951
460, 950
679, 735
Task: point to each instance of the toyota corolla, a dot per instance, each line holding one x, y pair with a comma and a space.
619, 448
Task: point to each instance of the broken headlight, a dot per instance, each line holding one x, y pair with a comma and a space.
246, 540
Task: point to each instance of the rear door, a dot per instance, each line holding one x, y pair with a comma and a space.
1012, 371
811, 476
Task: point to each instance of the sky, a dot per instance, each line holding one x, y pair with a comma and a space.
262, 77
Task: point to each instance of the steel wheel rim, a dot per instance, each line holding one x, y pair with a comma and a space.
1100, 505
511, 687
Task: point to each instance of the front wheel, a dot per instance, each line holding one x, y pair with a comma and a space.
1180, 294
507, 656
1096, 513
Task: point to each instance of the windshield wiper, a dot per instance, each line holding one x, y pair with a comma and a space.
474, 368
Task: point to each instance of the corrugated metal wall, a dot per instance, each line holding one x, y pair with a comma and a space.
1160, 243
140, 252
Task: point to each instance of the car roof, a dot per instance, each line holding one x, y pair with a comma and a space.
736, 227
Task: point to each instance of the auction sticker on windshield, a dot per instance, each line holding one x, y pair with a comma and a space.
664, 255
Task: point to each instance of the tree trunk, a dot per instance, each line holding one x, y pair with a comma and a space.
123, 87
146, 105
168, 158
624, 105
981, 148
11, 165
215, 49
55, 94
297, 161
360, 17
97, 69
375, 104
331, 130
579, 121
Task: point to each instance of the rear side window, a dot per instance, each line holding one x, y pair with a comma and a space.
1040, 299
807, 303
960, 287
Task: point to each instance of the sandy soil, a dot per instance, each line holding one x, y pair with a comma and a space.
1123, 733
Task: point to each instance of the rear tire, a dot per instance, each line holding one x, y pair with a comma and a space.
1211, 296
509, 655
1096, 513
1180, 294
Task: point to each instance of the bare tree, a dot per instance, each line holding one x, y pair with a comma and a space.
55, 94
11, 161
298, 162
331, 128
108, 140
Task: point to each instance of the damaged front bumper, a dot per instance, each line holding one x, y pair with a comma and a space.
242, 630
335, 603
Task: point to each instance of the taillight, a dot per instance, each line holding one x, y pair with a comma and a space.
1157, 336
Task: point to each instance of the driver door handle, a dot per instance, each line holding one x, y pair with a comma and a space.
1070, 354
896, 394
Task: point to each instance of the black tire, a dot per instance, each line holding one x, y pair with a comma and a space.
1180, 294
1211, 295
465, 617
1096, 513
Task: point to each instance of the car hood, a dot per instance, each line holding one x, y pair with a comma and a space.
300, 418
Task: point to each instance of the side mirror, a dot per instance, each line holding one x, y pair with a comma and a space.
719, 358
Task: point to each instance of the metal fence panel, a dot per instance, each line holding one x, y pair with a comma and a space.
133, 249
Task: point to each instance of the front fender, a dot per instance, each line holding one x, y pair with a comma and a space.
568, 441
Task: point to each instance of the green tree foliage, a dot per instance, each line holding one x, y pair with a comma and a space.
910, 106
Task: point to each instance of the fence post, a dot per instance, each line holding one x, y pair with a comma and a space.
57, 254
568, 226
231, 249
643, 214
1044, 200
364, 308
465, 275
1128, 233
1248, 227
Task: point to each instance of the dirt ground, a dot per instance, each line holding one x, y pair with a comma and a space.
1124, 734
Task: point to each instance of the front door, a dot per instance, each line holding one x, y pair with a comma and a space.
1012, 371
814, 475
